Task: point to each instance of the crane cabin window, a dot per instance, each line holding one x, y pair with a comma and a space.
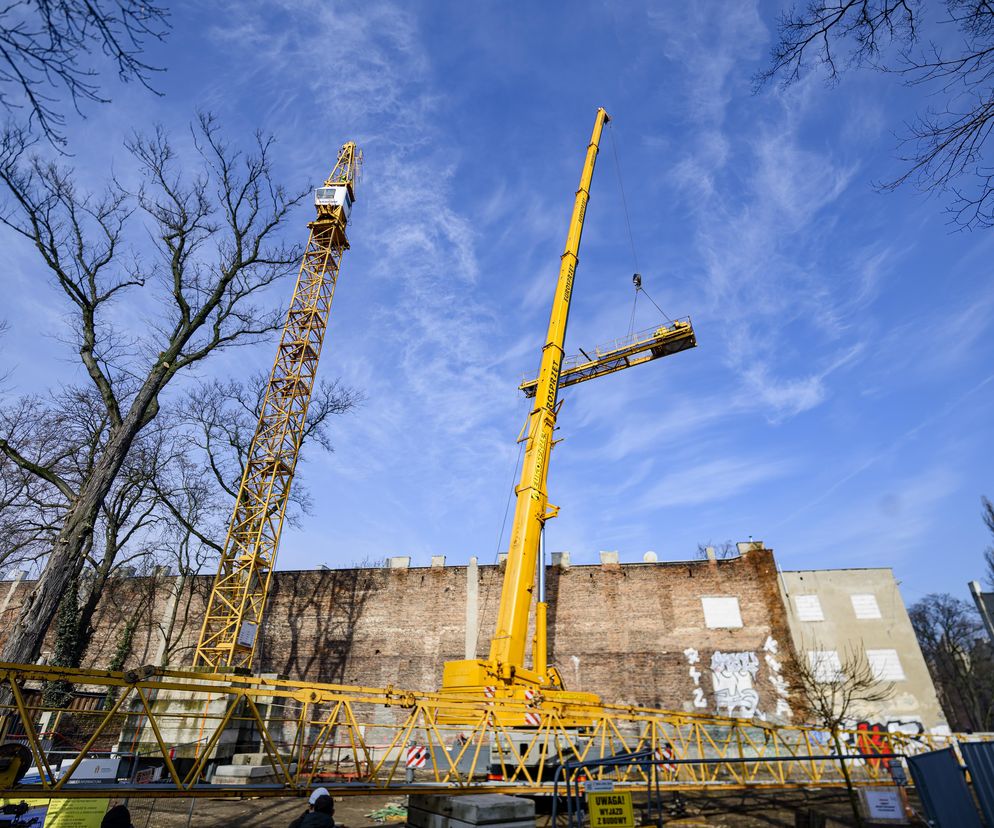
721, 611
337, 196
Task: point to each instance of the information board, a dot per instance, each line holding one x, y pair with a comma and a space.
884, 805
610, 809
60, 813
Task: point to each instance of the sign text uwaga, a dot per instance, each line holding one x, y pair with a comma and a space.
611, 810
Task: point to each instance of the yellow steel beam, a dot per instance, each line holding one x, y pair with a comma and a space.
636, 349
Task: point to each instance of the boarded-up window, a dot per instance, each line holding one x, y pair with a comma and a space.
865, 605
721, 611
825, 665
886, 665
808, 608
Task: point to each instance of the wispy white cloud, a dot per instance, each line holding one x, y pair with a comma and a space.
369, 72
760, 202
711, 482
712, 46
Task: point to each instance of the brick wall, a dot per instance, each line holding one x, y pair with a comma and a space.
632, 633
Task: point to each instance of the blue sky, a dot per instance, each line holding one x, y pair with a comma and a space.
839, 404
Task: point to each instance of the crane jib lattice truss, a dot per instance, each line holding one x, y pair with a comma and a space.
238, 597
354, 740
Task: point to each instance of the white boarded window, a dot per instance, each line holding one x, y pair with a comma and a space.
886, 665
825, 665
808, 608
721, 611
865, 606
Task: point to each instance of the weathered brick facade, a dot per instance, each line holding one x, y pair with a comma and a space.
633, 633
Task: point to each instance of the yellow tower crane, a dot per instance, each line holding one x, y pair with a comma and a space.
238, 597
504, 674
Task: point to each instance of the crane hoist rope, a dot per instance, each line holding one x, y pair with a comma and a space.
624, 201
504, 673
237, 602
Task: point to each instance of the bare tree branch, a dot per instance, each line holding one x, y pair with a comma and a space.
947, 144
46, 48
959, 658
216, 230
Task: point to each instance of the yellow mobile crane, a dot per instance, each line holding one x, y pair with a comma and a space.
504, 674
302, 726
238, 597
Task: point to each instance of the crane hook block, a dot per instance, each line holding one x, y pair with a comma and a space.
637, 280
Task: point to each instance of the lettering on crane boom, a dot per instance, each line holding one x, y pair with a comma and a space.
610, 809
570, 274
539, 465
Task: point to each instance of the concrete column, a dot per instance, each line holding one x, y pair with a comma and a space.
18, 577
978, 598
164, 630
472, 607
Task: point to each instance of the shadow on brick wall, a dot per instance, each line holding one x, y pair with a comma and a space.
319, 610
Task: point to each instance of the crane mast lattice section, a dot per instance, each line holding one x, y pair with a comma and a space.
238, 597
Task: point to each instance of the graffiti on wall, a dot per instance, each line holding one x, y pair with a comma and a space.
735, 680
771, 652
693, 659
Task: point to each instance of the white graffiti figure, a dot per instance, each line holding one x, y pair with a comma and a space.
732, 675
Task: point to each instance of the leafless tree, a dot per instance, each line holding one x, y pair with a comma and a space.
722, 551
215, 249
959, 658
834, 691
199, 482
167, 511
219, 420
945, 148
47, 48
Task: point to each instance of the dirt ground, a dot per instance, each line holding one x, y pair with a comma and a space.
729, 810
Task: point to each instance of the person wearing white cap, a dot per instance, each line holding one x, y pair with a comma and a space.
321, 812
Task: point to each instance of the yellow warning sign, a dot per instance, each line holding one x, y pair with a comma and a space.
611, 809
59, 813
76, 813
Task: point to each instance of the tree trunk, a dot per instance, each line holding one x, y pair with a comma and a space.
27, 635
179, 584
853, 798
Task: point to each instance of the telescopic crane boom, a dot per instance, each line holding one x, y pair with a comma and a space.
503, 673
238, 597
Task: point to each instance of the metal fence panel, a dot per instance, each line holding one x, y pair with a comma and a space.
979, 758
943, 790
